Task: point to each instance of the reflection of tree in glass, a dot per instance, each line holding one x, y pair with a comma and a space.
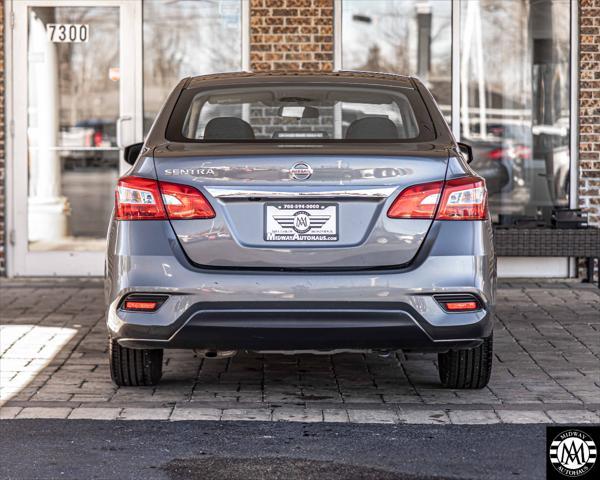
83, 67
411, 37
507, 67
186, 38
517, 29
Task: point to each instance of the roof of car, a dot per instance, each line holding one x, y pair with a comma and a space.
274, 75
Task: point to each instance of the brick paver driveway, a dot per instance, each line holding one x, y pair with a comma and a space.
547, 368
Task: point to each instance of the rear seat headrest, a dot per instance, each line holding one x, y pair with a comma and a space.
372, 128
228, 128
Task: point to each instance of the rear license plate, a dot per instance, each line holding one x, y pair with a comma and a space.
301, 222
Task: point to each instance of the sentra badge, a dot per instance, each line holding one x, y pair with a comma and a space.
194, 172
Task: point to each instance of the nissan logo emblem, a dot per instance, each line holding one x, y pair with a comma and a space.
301, 171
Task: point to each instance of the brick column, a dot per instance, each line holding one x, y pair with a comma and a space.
589, 113
291, 35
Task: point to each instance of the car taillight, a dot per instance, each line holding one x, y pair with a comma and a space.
184, 202
138, 199
523, 152
497, 154
520, 152
98, 138
459, 199
463, 199
146, 199
418, 201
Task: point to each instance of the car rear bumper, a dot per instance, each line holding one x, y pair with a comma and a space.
266, 310
299, 326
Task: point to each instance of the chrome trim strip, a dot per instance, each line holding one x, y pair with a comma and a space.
294, 192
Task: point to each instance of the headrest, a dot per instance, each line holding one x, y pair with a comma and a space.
228, 128
372, 128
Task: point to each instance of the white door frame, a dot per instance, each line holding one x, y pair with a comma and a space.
20, 261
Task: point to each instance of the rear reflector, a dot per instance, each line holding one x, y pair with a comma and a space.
144, 306
461, 306
462, 198
458, 302
139, 198
142, 302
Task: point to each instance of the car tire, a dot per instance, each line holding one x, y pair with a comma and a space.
468, 368
130, 367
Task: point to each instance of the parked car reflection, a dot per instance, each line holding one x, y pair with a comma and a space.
526, 169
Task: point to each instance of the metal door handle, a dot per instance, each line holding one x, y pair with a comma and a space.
120, 120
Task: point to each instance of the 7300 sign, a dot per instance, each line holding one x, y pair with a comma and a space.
68, 32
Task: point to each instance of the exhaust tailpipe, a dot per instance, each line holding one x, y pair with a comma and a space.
206, 353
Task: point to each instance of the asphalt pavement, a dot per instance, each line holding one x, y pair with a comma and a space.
93, 449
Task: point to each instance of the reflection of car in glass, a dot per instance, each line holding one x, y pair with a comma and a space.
103, 132
525, 168
498, 156
84, 137
284, 228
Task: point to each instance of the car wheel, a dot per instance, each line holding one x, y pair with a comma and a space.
130, 367
467, 368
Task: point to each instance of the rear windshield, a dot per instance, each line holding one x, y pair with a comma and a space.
293, 113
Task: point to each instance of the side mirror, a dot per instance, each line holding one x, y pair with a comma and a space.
466, 150
132, 152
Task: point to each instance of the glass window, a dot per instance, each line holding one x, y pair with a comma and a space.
409, 37
328, 112
184, 38
515, 102
73, 105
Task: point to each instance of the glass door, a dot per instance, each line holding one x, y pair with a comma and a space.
75, 64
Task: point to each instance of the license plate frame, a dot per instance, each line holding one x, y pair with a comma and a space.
302, 221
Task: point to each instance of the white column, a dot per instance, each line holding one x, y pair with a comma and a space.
48, 210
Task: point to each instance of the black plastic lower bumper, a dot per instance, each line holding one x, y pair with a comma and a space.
314, 329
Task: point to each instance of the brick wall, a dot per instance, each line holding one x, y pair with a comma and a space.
589, 104
2, 156
291, 34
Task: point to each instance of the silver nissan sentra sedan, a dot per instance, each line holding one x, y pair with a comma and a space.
300, 212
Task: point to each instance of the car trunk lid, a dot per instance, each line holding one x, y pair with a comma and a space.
301, 211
